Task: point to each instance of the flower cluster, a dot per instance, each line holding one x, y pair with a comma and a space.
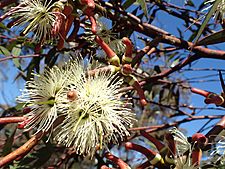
94, 113
36, 16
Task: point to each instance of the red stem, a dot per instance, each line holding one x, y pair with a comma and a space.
196, 156
200, 92
69, 23
6, 120
156, 142
147, 152
171, 145
117, 161
129, 49
21, 151
140, 92
105, 47
93, 24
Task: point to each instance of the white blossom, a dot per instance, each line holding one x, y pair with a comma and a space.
220, 9
35, 16
97, 116
44, 94
182, 160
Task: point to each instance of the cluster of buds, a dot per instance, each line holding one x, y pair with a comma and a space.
178, 152
125, 67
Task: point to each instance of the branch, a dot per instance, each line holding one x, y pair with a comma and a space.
131, 21
26, 148
150, 129
21, 151
6, 120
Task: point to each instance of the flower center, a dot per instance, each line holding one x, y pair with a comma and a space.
82, 115
51, 101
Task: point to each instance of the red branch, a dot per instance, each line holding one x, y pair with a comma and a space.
21, 151
6, 120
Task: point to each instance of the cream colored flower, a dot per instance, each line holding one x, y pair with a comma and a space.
183, 158
46, 97
96, 116
182, 144
36, 16
220, 10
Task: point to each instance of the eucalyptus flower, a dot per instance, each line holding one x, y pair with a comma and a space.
220, 9
36, 16
97, 115
183, 161
182, 144
44, 95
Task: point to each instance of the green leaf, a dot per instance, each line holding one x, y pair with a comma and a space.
175, 62
4, 51
16, 52
189, 3
206, 20
143, 5
19, 106
3, 26
9, 142
128, 3
217, 37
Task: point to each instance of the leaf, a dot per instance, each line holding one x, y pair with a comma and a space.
4, 51
221, 81
206, 20
42, 159
16, 52
217, 37
143, 5
157, 69
19, 106
189, 3
128, 3
9, 142
3, 26
175, 62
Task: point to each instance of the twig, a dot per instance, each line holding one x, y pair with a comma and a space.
150, 129
13, 57
6, 120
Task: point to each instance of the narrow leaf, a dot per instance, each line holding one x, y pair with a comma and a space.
3, 26
16, 52
4, 51
128, 3
217, 37
206, 20
143, 5
9, 142
221, 81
